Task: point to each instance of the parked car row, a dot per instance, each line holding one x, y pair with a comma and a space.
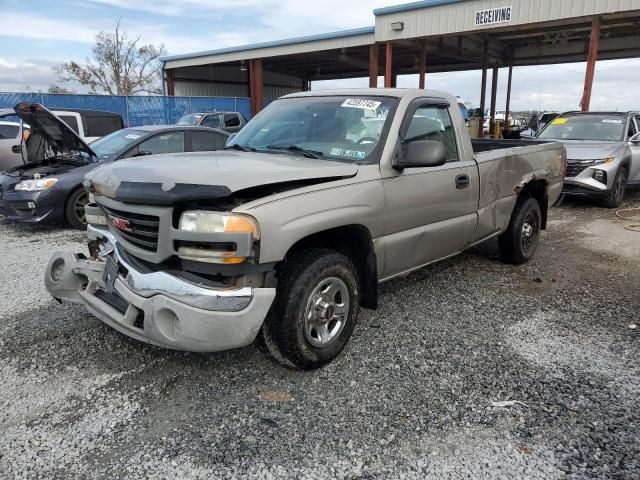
290, 229
48, 187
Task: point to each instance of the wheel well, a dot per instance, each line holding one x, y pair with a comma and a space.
353, 241
537, 189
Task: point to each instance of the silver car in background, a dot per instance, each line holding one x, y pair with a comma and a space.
603, 152
11, 141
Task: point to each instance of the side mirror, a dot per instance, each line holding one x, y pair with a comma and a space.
422, 153
143, 153
635, 139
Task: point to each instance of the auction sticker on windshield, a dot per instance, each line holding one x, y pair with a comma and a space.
559, 121
340, 152
611, 120
362, 103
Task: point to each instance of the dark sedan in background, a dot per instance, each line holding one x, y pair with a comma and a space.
49, 188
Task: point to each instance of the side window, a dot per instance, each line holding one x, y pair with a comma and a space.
101, 126
231, 120
433, 122
636, 120
171, 142
202, 141
9, 131
213, 121
71, 121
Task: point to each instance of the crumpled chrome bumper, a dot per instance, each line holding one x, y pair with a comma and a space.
157, 307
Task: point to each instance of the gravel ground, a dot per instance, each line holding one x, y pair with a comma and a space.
412, 396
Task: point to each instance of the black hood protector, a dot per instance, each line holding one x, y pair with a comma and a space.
153, 194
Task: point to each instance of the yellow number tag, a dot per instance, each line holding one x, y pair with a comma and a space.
559, 121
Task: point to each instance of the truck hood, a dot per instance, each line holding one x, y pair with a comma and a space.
166, 179
57, 134
585, 150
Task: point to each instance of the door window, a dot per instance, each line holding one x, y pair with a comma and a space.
213, 121
9, 131
207, 141
433, 122
71, 121
171, 142
231, 120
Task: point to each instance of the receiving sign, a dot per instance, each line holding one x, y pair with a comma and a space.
493, 16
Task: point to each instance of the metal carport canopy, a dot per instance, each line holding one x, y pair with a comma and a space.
424, 37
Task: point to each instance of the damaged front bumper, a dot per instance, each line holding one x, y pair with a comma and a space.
157, 307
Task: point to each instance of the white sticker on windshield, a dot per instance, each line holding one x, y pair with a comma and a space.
611, 120
362, 103
340, 152
132, 136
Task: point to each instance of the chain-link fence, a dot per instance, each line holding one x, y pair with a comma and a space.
156, 110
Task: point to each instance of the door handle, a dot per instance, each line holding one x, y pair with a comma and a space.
462, 181
16, 148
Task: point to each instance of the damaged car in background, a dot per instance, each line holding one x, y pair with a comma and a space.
289, 231
49, 186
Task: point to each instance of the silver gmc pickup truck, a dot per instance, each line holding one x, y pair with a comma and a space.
289, 231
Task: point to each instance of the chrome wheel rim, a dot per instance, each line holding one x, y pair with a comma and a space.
78, 208
529, 235
326, 312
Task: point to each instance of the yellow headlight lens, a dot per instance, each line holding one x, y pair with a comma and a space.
203, 221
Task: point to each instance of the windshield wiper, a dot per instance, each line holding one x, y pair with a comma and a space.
242, 148
295, 148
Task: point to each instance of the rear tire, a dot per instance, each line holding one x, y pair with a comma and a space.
520, 241
74, 209
315, 309
616, 196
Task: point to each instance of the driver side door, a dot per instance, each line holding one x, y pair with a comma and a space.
430, 210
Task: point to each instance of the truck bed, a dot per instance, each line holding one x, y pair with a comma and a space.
486, 145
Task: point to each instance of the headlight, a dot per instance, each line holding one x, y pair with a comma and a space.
203, 221
600, 161
36, 185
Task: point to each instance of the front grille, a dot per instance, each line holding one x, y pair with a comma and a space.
139, 229
576, 167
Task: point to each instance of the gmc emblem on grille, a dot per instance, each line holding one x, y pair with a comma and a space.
121, 224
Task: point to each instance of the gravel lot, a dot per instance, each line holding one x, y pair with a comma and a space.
412, 396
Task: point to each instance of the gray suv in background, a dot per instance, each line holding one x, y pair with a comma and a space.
603, 153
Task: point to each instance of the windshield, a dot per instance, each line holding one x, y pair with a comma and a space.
586, 127
190, 119
114, 142
341, 128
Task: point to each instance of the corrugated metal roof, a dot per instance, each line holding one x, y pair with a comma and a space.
413, 6
275, 43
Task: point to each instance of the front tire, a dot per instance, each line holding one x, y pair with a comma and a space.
315, 310
520, 241
74, 209
616, 196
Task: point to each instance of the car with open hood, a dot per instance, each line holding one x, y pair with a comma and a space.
49, 186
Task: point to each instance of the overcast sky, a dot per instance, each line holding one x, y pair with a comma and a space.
34, 36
